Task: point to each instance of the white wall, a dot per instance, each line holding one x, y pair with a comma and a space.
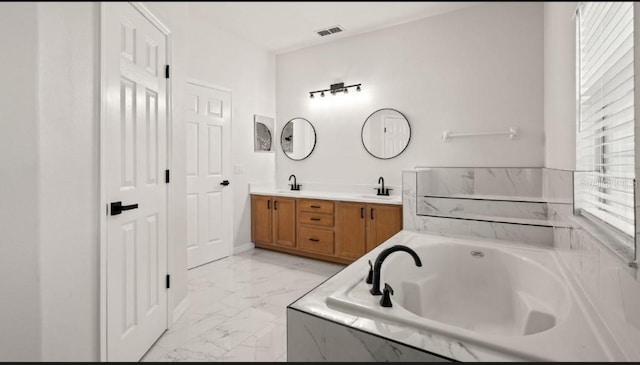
20, 288
476, 69
248, 71
559, 85
68, 69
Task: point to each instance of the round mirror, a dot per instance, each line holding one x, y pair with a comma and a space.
298, 139
386, 133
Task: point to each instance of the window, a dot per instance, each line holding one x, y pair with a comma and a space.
604, 189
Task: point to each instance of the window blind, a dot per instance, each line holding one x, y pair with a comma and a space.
605, 134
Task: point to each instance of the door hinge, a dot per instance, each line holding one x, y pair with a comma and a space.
166, 72
168, 281
167, 176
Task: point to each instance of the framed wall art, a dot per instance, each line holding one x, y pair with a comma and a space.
263, 133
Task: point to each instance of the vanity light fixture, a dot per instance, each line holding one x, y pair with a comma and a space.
335, 88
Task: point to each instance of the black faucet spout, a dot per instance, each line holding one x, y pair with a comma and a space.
375, 289
295, 185
381, 189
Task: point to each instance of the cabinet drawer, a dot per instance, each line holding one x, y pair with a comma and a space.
316, 206
324, 220
315, 240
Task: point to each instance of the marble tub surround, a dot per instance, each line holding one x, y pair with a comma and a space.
512, 182
463, 207
525, 213
516, 204
468, 227
610, 284
313, 339
351, 193
496, 183
589, 342
557, 185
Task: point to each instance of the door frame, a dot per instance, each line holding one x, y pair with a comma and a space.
162, 27
208, 85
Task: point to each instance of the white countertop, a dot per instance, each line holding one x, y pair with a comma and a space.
327, 195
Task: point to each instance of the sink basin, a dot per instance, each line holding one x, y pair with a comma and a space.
374, 196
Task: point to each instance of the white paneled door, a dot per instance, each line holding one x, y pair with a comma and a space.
135, 158
209, 194
396, 134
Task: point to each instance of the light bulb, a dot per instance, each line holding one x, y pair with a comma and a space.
358, 88
322, 94
311, 96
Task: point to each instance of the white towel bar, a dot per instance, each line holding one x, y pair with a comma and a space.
447, 135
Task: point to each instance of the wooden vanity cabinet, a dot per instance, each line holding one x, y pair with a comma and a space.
284, 222
315, 226
362, 227
383, 221
329, 230
351, 233
261, 219
273, 221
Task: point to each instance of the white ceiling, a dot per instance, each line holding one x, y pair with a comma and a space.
286, 26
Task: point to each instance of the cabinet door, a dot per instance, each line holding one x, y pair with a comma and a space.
383, 221
284, 222
350, 230
261, 208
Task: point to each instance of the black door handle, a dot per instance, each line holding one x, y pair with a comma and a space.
371, 213
275, 205
117, 207
225, 183
361, 212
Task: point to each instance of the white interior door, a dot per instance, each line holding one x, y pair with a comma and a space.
396, 134
135, 158
209, 202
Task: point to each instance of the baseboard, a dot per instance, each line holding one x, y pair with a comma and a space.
181, 308
242, 248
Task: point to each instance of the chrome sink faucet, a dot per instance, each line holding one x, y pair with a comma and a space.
375, 289
294, 186
381, 189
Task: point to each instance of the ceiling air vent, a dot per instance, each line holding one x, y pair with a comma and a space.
329, 31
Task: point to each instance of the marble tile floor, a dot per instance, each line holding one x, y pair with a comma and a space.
237, 308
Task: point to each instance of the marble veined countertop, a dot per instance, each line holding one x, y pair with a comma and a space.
589, 345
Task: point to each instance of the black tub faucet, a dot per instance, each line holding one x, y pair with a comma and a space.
381, 189
375, 289
294, 186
